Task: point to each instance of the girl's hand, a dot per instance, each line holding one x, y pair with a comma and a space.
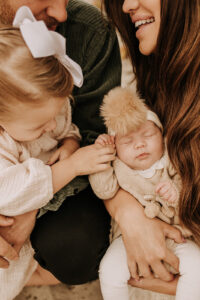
70, 145
156, 285
92, 159
105, 139
167, 192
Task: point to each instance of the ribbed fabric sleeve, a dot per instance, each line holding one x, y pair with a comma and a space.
94, 45
25, 187
26, 181
104, 184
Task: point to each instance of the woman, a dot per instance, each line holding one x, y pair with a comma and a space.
163, 42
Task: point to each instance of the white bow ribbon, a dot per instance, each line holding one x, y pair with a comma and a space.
43, 42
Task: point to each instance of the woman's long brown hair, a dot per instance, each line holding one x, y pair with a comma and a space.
169, 80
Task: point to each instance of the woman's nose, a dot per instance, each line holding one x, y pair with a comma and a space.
57, 10
130, 5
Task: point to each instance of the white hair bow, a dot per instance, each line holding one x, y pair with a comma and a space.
43, 42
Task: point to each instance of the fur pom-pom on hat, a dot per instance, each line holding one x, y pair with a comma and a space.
123, 111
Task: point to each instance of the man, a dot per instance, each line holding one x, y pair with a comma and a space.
72, 236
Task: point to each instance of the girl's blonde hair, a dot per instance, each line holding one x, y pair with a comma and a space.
27, 79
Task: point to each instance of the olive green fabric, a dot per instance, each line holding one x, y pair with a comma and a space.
93, 45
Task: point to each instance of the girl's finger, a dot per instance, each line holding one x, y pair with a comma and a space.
106, 158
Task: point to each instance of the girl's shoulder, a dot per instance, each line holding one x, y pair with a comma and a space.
9, 148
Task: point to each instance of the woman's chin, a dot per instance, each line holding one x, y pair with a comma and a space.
146, 49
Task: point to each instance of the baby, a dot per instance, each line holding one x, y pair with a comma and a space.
39, 144
142, 168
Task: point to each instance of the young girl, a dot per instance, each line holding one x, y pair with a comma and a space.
38, 142
163, 41
143, 169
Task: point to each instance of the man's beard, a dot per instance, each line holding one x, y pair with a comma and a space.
6, 13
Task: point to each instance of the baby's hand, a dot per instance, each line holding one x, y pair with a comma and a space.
167, 192
70, 145
105, 139
92, 159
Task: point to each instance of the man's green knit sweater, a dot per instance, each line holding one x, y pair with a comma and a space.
94, 46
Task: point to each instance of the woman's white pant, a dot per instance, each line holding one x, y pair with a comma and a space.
114, 272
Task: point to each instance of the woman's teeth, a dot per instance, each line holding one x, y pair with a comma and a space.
142, 22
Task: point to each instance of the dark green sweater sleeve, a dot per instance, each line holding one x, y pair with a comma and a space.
94, 46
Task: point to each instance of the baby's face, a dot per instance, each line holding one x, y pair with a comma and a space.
142, 148
29, 122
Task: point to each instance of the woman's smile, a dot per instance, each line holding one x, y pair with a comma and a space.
143, 25
145, 15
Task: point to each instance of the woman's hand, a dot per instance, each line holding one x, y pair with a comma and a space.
156, 285
144, 238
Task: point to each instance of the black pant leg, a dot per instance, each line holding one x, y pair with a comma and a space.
71, 241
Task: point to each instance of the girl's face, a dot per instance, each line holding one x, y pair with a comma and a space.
145, 15
30, 122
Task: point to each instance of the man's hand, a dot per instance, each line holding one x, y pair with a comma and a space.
6, 250
17, 233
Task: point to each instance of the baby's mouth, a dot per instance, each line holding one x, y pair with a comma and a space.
142, 155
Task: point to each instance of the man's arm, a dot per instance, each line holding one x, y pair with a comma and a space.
94, 45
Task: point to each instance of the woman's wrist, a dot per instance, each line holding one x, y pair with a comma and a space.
128, 209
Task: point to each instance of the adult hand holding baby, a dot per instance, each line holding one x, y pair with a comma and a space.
6, 250
14, 232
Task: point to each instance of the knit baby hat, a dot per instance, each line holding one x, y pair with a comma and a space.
123, 111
